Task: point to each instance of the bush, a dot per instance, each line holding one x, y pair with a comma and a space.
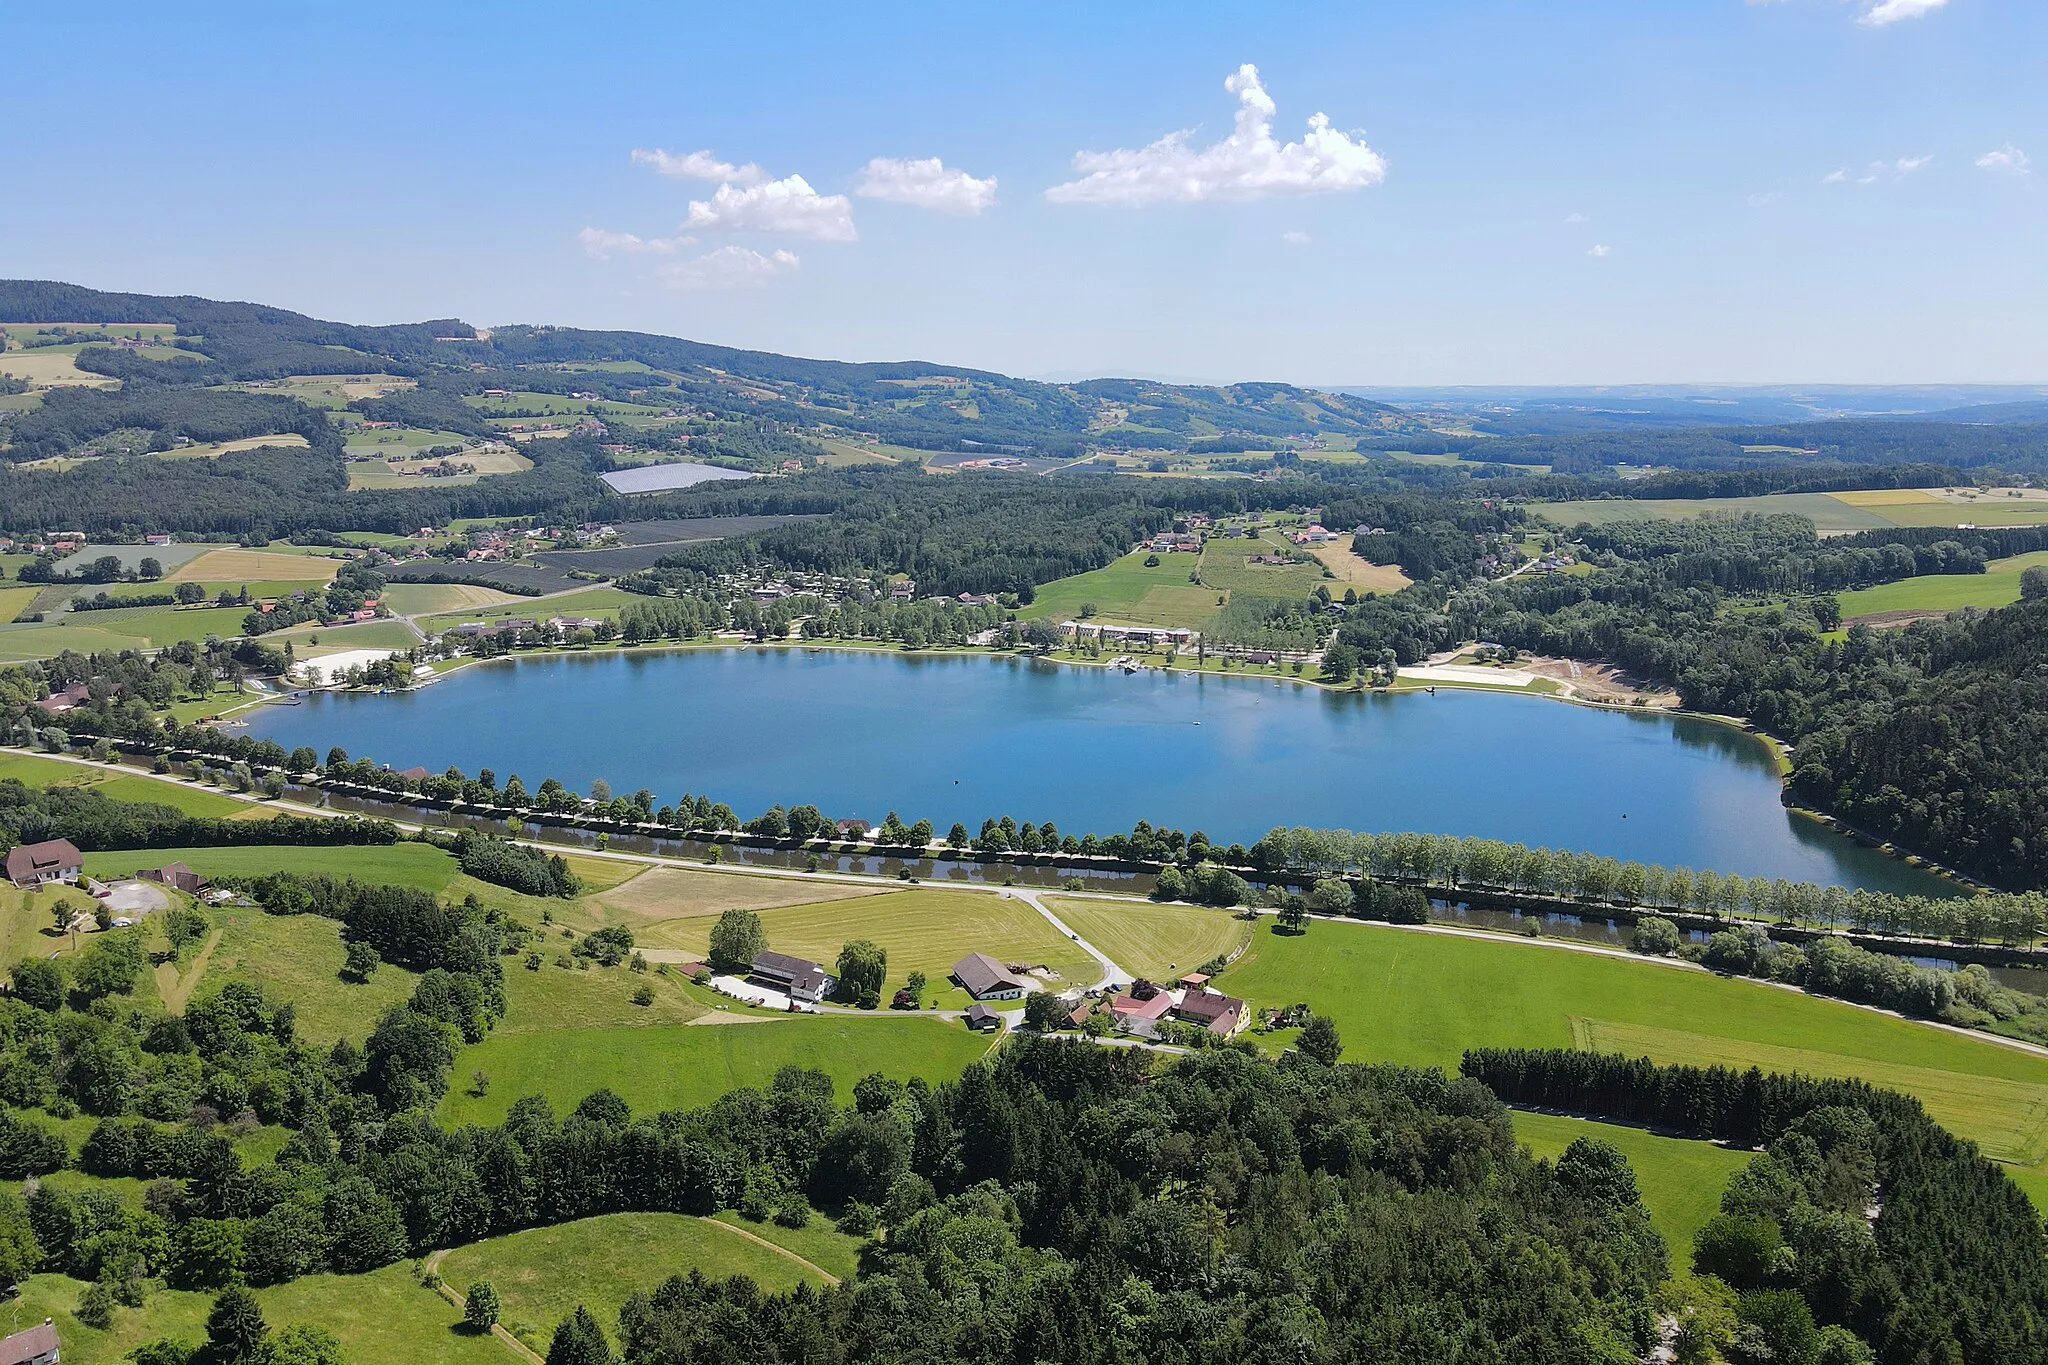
1655, 936
480, 1306
644, 996
792, 1211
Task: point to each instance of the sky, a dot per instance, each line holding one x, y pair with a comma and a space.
1378, 193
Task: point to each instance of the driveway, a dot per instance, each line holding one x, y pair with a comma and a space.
134, 898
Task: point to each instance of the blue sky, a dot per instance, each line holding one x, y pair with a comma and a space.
1598, 192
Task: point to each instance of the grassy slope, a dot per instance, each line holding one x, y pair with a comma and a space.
1681, 1180
680, 1068
420, 865
1826, 513
658, 903
1997, 586
1126, 592
1424, 998
543, 1273
1152, 940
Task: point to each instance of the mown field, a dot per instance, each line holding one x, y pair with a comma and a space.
1830, 512
420, 865
1997, 586
1159, 942
658, 1068
542, 1274
1423, 998
1127, 593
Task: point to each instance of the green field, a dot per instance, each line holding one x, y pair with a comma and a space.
683, 1067
382, 1316
420, 865
1127, 593
1681, 1180
1423, 998
923, 930
1224, 568
542, 1274
1160, 942
417, 599
1827, 513
293, 957
604, 602
191, 799
1997, 586
392, 635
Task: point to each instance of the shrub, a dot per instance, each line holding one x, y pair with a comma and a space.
480, 1306
1655, 936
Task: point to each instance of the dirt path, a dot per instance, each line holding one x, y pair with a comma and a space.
180, 990
433, 1267
827, 1276
1111, 972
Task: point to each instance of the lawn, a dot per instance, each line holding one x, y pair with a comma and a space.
229, 565
1681, 1180
921, 930
19, 643
603, 602
164, 625
817, 1241
1126, 592
553, 997
384, 1315
683, 1067
1997, 586
36, 771
1423, 998
1356, 572
407, 864
365, 635
1853, 511
542, 1274
1156, 941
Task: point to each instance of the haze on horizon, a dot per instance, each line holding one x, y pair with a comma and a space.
1708, 191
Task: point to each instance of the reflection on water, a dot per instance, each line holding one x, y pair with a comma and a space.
963, 738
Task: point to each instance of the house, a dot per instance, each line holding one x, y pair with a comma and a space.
1223, 1015
981, 1018
36, 1346
57, 703
569, 625
177, 876
987, 979
1194, 981
801, 979
415, 774
1138, 1013
903, 589
692, 970
852, 828
157, 540
53, 860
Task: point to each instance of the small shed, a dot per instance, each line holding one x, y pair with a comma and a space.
982, 1019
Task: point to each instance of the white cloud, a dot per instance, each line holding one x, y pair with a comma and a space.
2008, 158
1765, 200
602, 244
1576, 218
1295, 238
1878, 13
1248, 164
789, 206
1835, 177
729, 267
925, 184
699, 166
1600, 251
1879, 170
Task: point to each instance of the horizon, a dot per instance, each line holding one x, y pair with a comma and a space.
1838, 190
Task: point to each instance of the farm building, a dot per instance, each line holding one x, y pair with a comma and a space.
53, 860
803, 980
1140, 1014
987, 979
981, 1018
1223, 1015
177, 876
36, 1346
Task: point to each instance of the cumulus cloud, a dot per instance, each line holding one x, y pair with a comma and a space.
2008, 158
601, 244
925, 184
1248, 164
701, 165
1600, 251
788, 206
1295, 238
1878, 13
729, 267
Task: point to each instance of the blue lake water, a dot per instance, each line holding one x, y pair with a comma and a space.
965, 737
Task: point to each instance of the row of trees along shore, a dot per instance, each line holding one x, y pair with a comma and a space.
1440, 863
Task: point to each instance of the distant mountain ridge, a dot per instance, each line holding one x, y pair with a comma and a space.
919, 404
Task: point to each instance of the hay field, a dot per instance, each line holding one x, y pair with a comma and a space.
230, 565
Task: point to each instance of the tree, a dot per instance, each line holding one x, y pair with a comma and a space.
1320, 1041
150, 569
2034, 583
1046, 1012
737, 939
1330, 897
1655, 936
862, 968
1294, 915
96, 1306
480, 1306
235, 1330
20, 1253
1171, 885
40, 982
579, 1340
359, 961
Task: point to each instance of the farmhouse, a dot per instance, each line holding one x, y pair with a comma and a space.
57, 703
53, 860
1138, 1013
801, 979
987, 979
1223, 1015
36, 1346
177, 876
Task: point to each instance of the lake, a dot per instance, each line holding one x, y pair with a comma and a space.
959, 737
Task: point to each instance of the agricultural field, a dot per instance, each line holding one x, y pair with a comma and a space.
1159, 942
229, 564
1423, 998
1354, 572
604, 602
384, 634
293, 957
406, 471
1997, 586
19, 643
542, 1274
290, 440
333, 392
844, 454
14, 601
1831, 513
660, 903
921, 930
49, 367
1224, 568
1126, 592
418, 865
419, 599
1681, 1179
396, 442
187, 797
654, 1068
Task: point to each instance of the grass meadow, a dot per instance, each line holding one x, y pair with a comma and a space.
1997, 586
1868, 510
682, 1067
420, 865
1155, 941
1681, 1180
234, 565
1125, 592
1423, 998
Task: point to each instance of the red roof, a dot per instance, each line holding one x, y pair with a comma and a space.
1128, 1006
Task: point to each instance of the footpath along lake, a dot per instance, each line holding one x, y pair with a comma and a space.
1094, 749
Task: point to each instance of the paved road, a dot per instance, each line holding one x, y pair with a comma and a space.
1112, 975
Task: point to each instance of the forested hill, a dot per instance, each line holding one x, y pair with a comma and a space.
911, 403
